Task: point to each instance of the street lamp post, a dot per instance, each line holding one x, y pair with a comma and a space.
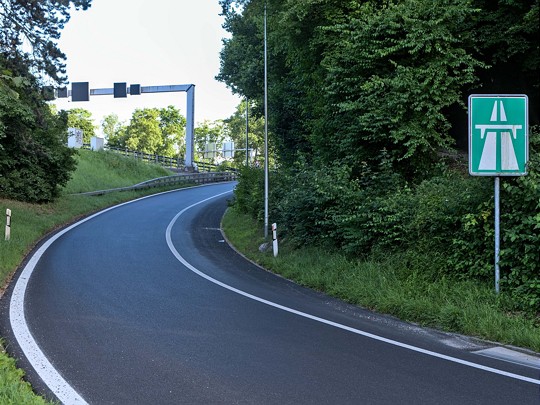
247, 132
265, 127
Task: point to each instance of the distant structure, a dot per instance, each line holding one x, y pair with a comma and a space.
81, 91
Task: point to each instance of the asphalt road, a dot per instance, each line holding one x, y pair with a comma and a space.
147, 304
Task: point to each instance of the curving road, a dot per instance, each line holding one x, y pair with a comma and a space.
147, 304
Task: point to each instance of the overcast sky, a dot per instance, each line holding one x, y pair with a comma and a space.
158, 42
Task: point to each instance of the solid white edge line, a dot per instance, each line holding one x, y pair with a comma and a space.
43, 367
181, 259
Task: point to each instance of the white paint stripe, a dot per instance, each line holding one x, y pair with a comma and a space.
46, 371
181, 259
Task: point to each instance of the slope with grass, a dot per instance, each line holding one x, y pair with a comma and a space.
30, 222
394, 284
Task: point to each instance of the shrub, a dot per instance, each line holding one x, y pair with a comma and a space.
448, 216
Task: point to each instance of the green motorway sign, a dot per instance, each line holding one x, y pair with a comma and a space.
498, 134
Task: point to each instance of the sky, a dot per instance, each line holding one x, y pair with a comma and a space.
158, 42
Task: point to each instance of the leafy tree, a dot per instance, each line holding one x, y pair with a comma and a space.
208, 132
38, 23
236, 128
34, 159
143, 132
507, 37
82, 119
388, 86
173, 129
155, 131
114, 130
362, 97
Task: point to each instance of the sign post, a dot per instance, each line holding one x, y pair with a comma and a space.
498, 144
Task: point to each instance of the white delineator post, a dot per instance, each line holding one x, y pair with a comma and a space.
8, 224
274, 239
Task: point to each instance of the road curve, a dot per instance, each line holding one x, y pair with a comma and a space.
145, 303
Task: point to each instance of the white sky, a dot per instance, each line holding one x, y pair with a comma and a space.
158, 42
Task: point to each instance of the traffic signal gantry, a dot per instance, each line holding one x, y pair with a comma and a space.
81, 91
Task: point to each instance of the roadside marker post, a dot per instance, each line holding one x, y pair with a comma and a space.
8, 224
274, 239
498, 144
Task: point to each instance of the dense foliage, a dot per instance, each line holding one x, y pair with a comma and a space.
82, 119
34, 161
151, 130
236, 130
36, 24
366, 105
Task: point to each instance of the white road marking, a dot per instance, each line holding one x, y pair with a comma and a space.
511, 356
181, 259
41, 364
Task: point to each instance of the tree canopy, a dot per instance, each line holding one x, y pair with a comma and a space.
82, 119
34, 159
151, 130
368, 121
348, 80
39, 25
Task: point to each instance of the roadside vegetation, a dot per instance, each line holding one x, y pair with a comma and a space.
30, 222
409, 285
367, 133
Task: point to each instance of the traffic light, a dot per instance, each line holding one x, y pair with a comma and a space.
120, 90
135, 89
62, 92
80, 91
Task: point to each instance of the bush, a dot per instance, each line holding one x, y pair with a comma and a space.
520, 230
448, 217
249, 193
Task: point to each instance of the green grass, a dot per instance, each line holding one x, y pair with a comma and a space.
406, 287
30, 222
13, 389
105, 170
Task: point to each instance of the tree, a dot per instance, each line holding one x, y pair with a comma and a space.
39, 24
114, 130
236, 128
153, 130
208, 132
507, 38
173, 128
143, 133
350, 79
34, 159
82, 119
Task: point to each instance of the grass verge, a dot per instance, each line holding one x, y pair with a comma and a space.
398, 285
30, 222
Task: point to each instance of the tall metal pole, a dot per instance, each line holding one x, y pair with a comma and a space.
265, 128
190, 127
497, 232
247, 133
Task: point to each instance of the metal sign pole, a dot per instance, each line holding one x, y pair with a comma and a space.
266, 185
497, 232
498, 145
247, 132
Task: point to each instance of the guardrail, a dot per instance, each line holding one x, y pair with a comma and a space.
165, 161
196, 178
